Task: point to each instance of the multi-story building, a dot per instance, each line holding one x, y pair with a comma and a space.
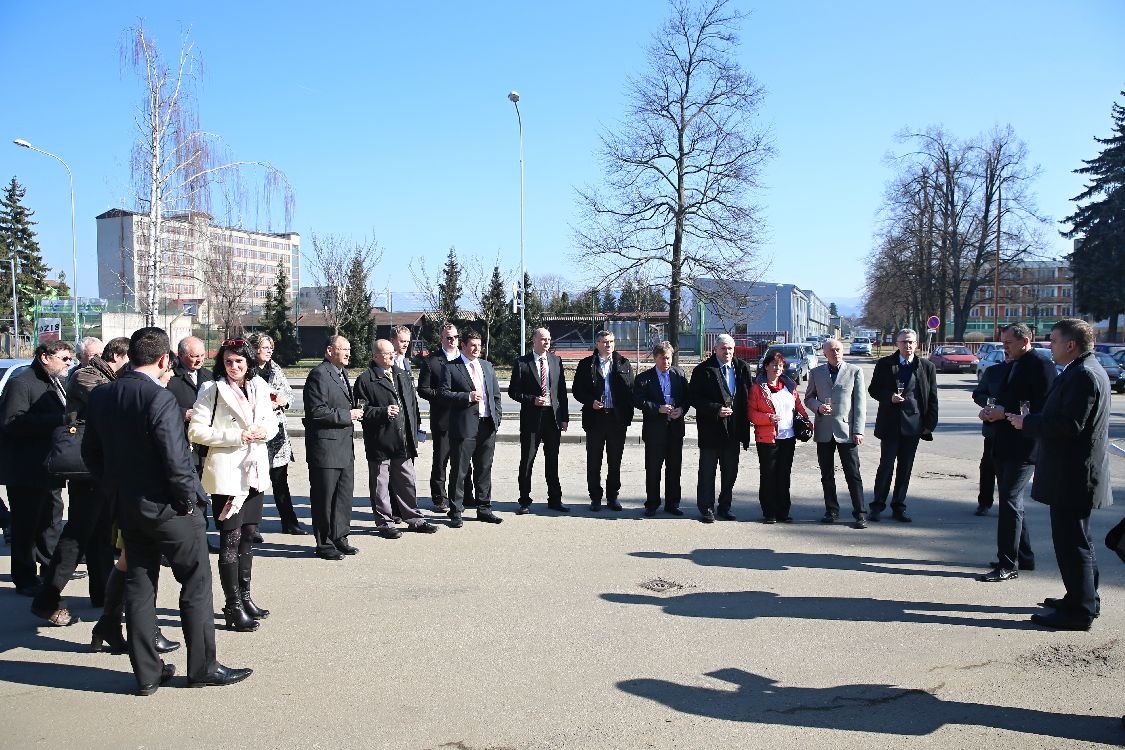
762, 310
198, 257
1036, 293
820, 322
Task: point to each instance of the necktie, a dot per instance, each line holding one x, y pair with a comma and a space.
543, 374
478, 385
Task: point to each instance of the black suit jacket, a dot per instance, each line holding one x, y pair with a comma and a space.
385, 437
589, 386
136, 449
1027, 379
708, 393
328, 422
30, 410
456, 385
990, 385
525, 387
187, 392
430, 372
888, 421
647, 396
1072, 437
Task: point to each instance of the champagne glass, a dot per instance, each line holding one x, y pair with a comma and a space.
1025, 408
899, 388
827, 402
990, 403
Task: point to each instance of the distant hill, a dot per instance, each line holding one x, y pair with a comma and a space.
849, 307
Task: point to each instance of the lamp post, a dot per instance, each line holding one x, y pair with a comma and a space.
514, 98
73, 237
776, 290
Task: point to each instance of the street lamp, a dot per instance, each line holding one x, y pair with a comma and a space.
775, 301
73, 237
514, 98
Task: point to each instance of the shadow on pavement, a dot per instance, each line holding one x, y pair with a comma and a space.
767, 559
67, 676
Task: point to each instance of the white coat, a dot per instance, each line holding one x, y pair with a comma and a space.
224, 469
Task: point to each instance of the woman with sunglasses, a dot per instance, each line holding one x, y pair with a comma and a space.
772, 406
280, 447
234, 418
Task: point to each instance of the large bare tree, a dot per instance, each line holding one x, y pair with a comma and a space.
333, 261
680, 170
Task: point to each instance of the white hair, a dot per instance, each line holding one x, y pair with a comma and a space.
724, 338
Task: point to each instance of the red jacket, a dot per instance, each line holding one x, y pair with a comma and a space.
760, 408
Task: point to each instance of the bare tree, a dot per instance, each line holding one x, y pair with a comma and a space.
175, 164
332, 261
680, 170
428, 285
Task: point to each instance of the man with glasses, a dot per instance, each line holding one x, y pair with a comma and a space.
430, 372
33, 405
905, 385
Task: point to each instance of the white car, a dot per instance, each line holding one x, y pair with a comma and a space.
860, 345
9, 368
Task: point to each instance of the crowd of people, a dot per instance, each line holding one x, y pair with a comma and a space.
166, 441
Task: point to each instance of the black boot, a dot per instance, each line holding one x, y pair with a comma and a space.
163, 645
245, 567
235, 615
107, 631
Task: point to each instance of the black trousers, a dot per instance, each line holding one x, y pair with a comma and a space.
725, 460
894, 450
604, 434
330, 497
849, 462
87, 531
550, 437
775, 470
440, 469
669, 456
1074, 551
182, 541
36, 513
475, 453
282, 499
1013, 541
987, 476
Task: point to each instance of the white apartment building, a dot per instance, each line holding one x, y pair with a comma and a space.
187, 239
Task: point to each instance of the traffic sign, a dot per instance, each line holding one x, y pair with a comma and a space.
933, 321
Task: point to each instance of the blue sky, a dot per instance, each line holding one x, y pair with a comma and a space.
391, 120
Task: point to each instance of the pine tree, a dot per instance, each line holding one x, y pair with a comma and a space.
628, 300
275, 321
356, 324
449, 292
495, 313
1098, 262
608, 303
17, 239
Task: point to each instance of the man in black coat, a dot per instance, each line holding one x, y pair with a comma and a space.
188, 376
603, 384
471, 392
720, 393
329, 449
988, 387
390, 439
539, 385
1024, 380
136, 449
430, 373
1071, 435
33, 405
661, 393
905, 385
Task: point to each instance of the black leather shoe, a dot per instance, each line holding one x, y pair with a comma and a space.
166, 673
329, 554
673, 511
614, 505
1052, 603
707, 517
387, 532
769, 520
981, 510
558, 507
1057, 621
829, 518
523, 510
873, 516
163, 645
294, 530
1025, 567
901, 517
423, 528
78, 575
347, 549
650, 512
726, 515
221, 676
859, 523
455, 521
996, 575
595, 505
489, 517
441, 507
787, 519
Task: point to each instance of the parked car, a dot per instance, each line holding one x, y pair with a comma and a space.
860, 345
1109, 349
1119, 357
953, 359
988, 346
1113, 369
9, 368
796, 360
994, 357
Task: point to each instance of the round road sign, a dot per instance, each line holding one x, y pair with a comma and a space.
933, 322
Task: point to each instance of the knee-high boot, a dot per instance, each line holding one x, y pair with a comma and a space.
233, 612
245, 568
163, 645
107, 634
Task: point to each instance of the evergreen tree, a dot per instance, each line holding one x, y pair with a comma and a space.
608, 303
534, 306
275, 321
1098, 262
356, 324
494, 314
449, 291
833, 309
17, 239
628, 301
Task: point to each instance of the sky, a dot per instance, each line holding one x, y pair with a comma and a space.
391, 120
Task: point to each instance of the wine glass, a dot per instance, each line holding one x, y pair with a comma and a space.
990, 403
1025, 408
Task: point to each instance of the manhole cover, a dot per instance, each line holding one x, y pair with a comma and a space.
661, 585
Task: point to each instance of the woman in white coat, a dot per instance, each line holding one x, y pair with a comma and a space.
234, 418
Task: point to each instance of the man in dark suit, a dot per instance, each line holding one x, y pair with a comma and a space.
136, 448
988, 387
720, 393
905, 386
33, 405
390, 439
188, 376
329, 449
1024, 381
603, 384
539, 385
430, 373
1071, 435
661, 393
470, 389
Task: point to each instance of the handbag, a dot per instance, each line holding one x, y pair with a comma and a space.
801, 427
64, 459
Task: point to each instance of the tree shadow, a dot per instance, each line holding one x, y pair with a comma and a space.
750, 605
767, 559
884, 709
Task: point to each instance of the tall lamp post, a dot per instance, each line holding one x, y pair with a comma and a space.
775, 302
514, 98
73, 237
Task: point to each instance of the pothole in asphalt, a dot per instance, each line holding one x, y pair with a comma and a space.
942, 475
661, 585
1102, 660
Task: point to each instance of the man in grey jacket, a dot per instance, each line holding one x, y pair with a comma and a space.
836, 395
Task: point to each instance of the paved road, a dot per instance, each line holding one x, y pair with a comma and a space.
603, 630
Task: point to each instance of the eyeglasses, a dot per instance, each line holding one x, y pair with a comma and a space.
235, 342
62, 358
452, 338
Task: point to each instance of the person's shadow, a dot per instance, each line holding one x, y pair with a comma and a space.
885, 709
749, 605
767, 559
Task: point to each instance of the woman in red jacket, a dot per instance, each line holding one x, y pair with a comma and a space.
773, 401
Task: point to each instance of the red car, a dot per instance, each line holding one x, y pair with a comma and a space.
953, 359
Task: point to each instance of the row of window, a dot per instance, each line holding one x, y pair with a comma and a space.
1027, 312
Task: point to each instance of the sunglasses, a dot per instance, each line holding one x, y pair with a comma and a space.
452, 338
63, 358
235, 342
